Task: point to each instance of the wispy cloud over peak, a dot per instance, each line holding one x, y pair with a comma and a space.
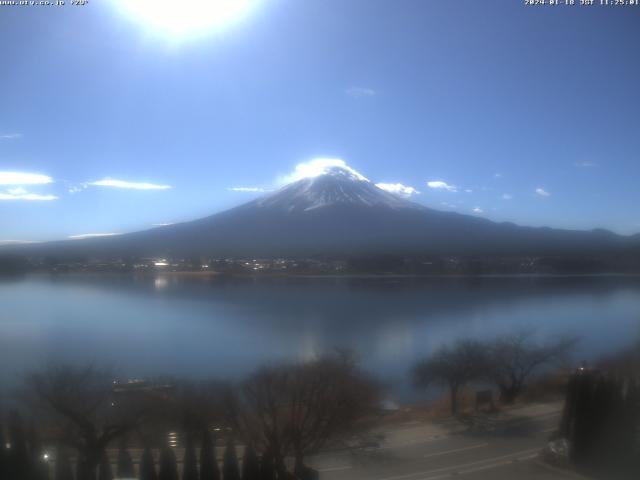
22, 178
319, 166
112, 182
10, 136
440, 185
542, 192
246, 189
91, 235
398, 189
360, 92
477, 210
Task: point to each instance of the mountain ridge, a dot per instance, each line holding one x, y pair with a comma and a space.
340, 213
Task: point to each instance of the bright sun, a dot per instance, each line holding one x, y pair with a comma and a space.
179, 18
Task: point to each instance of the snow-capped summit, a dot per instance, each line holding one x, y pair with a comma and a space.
323, 166
335, 185
344, 172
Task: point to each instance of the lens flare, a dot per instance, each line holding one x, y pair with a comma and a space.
179, 19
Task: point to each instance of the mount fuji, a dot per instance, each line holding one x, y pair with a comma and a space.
341, 213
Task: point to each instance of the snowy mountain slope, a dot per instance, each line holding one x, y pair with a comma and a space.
337, 186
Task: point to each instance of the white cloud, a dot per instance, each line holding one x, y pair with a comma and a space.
92, 235
477, 210
398, 189
318, 166
586, 164
497, 175
37, 197
77, 188
112, 182
22, 194
10, 136
468, 190
21, 178
507, 196
162, 224
18, 179
360, 92
16, 242
440, 185
246, 189
542, 192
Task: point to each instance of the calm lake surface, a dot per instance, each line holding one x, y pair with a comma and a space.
204, 327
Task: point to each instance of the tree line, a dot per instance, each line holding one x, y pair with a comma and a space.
279, 414
600, 422
507, 362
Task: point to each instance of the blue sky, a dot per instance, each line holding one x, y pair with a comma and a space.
492, 108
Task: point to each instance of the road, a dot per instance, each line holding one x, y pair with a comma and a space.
508, 449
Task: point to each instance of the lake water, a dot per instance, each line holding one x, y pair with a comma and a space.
225, 328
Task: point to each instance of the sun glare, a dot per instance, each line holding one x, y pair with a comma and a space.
180, 19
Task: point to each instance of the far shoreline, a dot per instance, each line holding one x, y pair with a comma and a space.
355, 276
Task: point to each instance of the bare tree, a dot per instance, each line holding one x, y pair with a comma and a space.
83, 410
258, 410
328, 400
452, 367
300, 409
513, 359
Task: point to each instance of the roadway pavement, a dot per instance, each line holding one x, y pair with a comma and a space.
505, 446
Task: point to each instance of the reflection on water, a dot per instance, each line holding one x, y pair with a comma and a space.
161, 282
210, 326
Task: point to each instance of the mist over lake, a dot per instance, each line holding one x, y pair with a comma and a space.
208, 326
